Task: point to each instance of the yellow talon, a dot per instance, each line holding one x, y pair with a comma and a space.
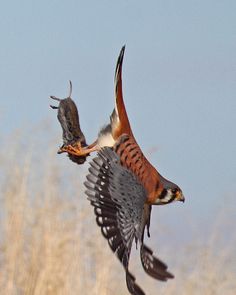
71, 149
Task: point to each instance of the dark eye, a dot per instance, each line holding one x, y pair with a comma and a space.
174, 191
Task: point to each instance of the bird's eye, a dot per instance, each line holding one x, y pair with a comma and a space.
174, 191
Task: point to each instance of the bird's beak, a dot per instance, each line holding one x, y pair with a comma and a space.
180, 197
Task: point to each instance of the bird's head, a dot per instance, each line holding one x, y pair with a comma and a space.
170, 193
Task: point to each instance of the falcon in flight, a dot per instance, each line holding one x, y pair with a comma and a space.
121, 184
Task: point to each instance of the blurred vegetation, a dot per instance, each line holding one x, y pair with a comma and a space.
50, 244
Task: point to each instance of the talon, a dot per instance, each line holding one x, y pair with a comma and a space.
64, 149
74, 149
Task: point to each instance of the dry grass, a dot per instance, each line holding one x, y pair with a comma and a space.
50, 245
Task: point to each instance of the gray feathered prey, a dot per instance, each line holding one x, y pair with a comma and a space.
119, 205
68, 117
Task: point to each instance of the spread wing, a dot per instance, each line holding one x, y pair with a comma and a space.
118, 199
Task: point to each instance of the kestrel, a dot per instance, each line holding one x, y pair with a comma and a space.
122, 185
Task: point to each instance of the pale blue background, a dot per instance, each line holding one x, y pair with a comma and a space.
179, 79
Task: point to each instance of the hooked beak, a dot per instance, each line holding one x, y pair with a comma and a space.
180, 196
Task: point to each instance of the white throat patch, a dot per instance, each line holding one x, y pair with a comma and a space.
166, 199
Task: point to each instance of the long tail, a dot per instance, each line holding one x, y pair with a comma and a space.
119, 118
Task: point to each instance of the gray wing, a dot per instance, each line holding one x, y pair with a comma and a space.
153, 266
118, 199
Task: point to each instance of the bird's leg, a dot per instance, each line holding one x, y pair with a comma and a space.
77, 150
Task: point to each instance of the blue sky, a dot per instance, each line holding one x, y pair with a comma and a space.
179, 79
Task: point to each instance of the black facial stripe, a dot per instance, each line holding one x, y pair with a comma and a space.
163, 194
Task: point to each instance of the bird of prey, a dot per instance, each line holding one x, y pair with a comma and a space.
121, 185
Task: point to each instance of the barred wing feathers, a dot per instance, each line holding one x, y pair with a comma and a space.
119, 205
153, 266
118, 199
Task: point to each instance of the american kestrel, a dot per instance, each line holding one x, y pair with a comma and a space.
122, 185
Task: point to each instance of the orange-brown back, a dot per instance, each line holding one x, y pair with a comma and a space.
133, 159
